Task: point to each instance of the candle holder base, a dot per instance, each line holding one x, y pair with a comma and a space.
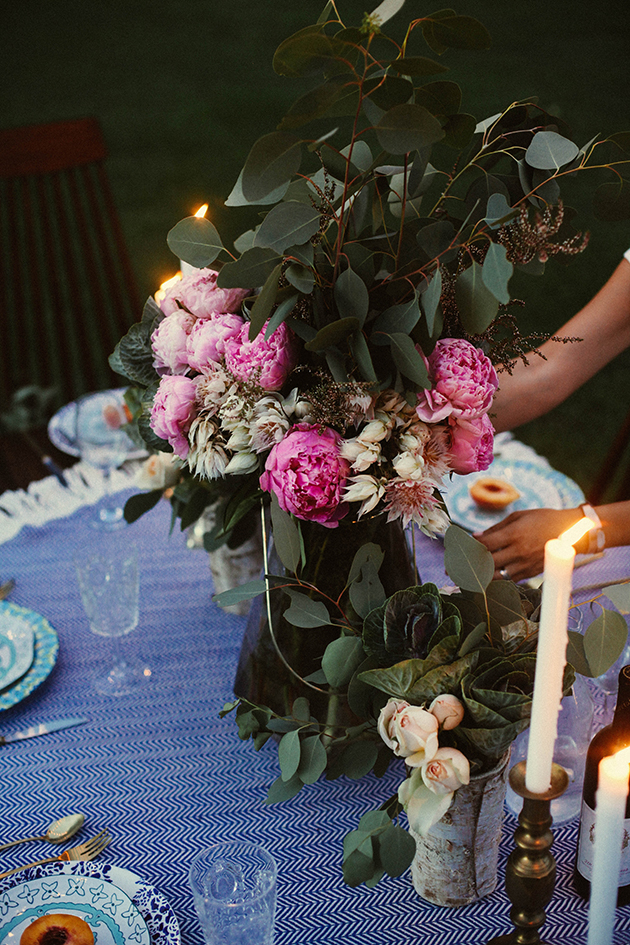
530, 873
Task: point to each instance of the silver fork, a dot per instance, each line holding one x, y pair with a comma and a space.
88, 850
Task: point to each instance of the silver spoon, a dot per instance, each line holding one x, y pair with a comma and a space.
58, 832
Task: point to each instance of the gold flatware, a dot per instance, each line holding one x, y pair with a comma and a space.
84, 851
6, 588
58, 832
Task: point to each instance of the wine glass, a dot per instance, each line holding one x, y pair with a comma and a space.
102, 442
109, 585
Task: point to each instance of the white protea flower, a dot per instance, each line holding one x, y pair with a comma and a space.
435, 522
359, 454
207, 456
213, 389
234, 411
436, 454
269, 424
239, 438
409, 465
376, 430
365, 489
241, 463
296, 405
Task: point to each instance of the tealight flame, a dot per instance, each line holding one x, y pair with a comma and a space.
577, 531
161, 292
201, 212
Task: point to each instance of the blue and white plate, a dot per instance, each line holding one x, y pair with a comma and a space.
62, 429
45, 650
16, 647
110, 913
540, 487
157, 916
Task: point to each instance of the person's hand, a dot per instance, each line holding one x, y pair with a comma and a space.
517, 543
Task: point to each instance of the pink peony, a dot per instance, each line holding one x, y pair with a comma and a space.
199, 295
268, 362
463, 380
472, 443
169, 343
174, 410
307, 474
207, 340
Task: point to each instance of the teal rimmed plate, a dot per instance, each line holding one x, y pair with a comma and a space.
45, 655
17, 647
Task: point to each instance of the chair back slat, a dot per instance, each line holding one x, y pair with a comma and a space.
67, 290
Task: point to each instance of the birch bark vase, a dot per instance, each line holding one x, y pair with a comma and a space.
456, 863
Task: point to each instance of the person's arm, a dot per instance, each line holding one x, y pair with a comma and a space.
533, 389
518, 542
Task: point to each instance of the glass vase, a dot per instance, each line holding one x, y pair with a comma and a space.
272, 670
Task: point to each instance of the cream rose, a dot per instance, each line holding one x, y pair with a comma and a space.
446, 771
448, 710
410, 731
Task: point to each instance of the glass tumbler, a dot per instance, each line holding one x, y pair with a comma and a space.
234, 890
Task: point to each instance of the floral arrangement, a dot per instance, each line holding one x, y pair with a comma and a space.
337, 366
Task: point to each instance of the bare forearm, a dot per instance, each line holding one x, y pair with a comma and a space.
604, 327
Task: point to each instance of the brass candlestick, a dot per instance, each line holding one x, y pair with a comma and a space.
530, 873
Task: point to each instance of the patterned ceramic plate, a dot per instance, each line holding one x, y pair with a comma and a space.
540, 487
154, 909
16, 647
61, 431
44, 658
110, 913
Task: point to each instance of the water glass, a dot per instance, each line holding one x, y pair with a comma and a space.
234, 889
109, 585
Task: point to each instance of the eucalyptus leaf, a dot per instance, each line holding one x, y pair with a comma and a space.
604, 641
575, 654
550, 151
619, 595
333, 334
265, 300
369, 551
271, 163
289, 223
289, 752
408, 359
282, 790
430, 301
397, 849
498, 210
137, 505
357, 759
437, 239
361, 354
286, 536
416, 65
351, 296
359, 866
467, 562
407, 128
461, 32
237, 594
252, 269
305, 612
301, 709
238, 199
283, 310
478, 306
496, 272
367, 593
399, 318
312, 759
196, 241
340, 660
300, 278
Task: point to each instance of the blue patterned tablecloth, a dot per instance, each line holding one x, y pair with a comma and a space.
167, 776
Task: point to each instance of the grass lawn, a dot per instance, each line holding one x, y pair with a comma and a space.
183, 88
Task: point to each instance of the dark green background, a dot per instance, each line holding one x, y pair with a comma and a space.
183, 89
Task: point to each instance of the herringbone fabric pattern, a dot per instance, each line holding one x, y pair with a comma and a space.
167, 776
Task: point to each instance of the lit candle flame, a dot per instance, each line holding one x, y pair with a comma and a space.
577, 531
161, 292
616, 766
201, 212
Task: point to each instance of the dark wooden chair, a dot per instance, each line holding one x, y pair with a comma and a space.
67, 292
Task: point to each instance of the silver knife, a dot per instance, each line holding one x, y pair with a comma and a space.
41, 729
